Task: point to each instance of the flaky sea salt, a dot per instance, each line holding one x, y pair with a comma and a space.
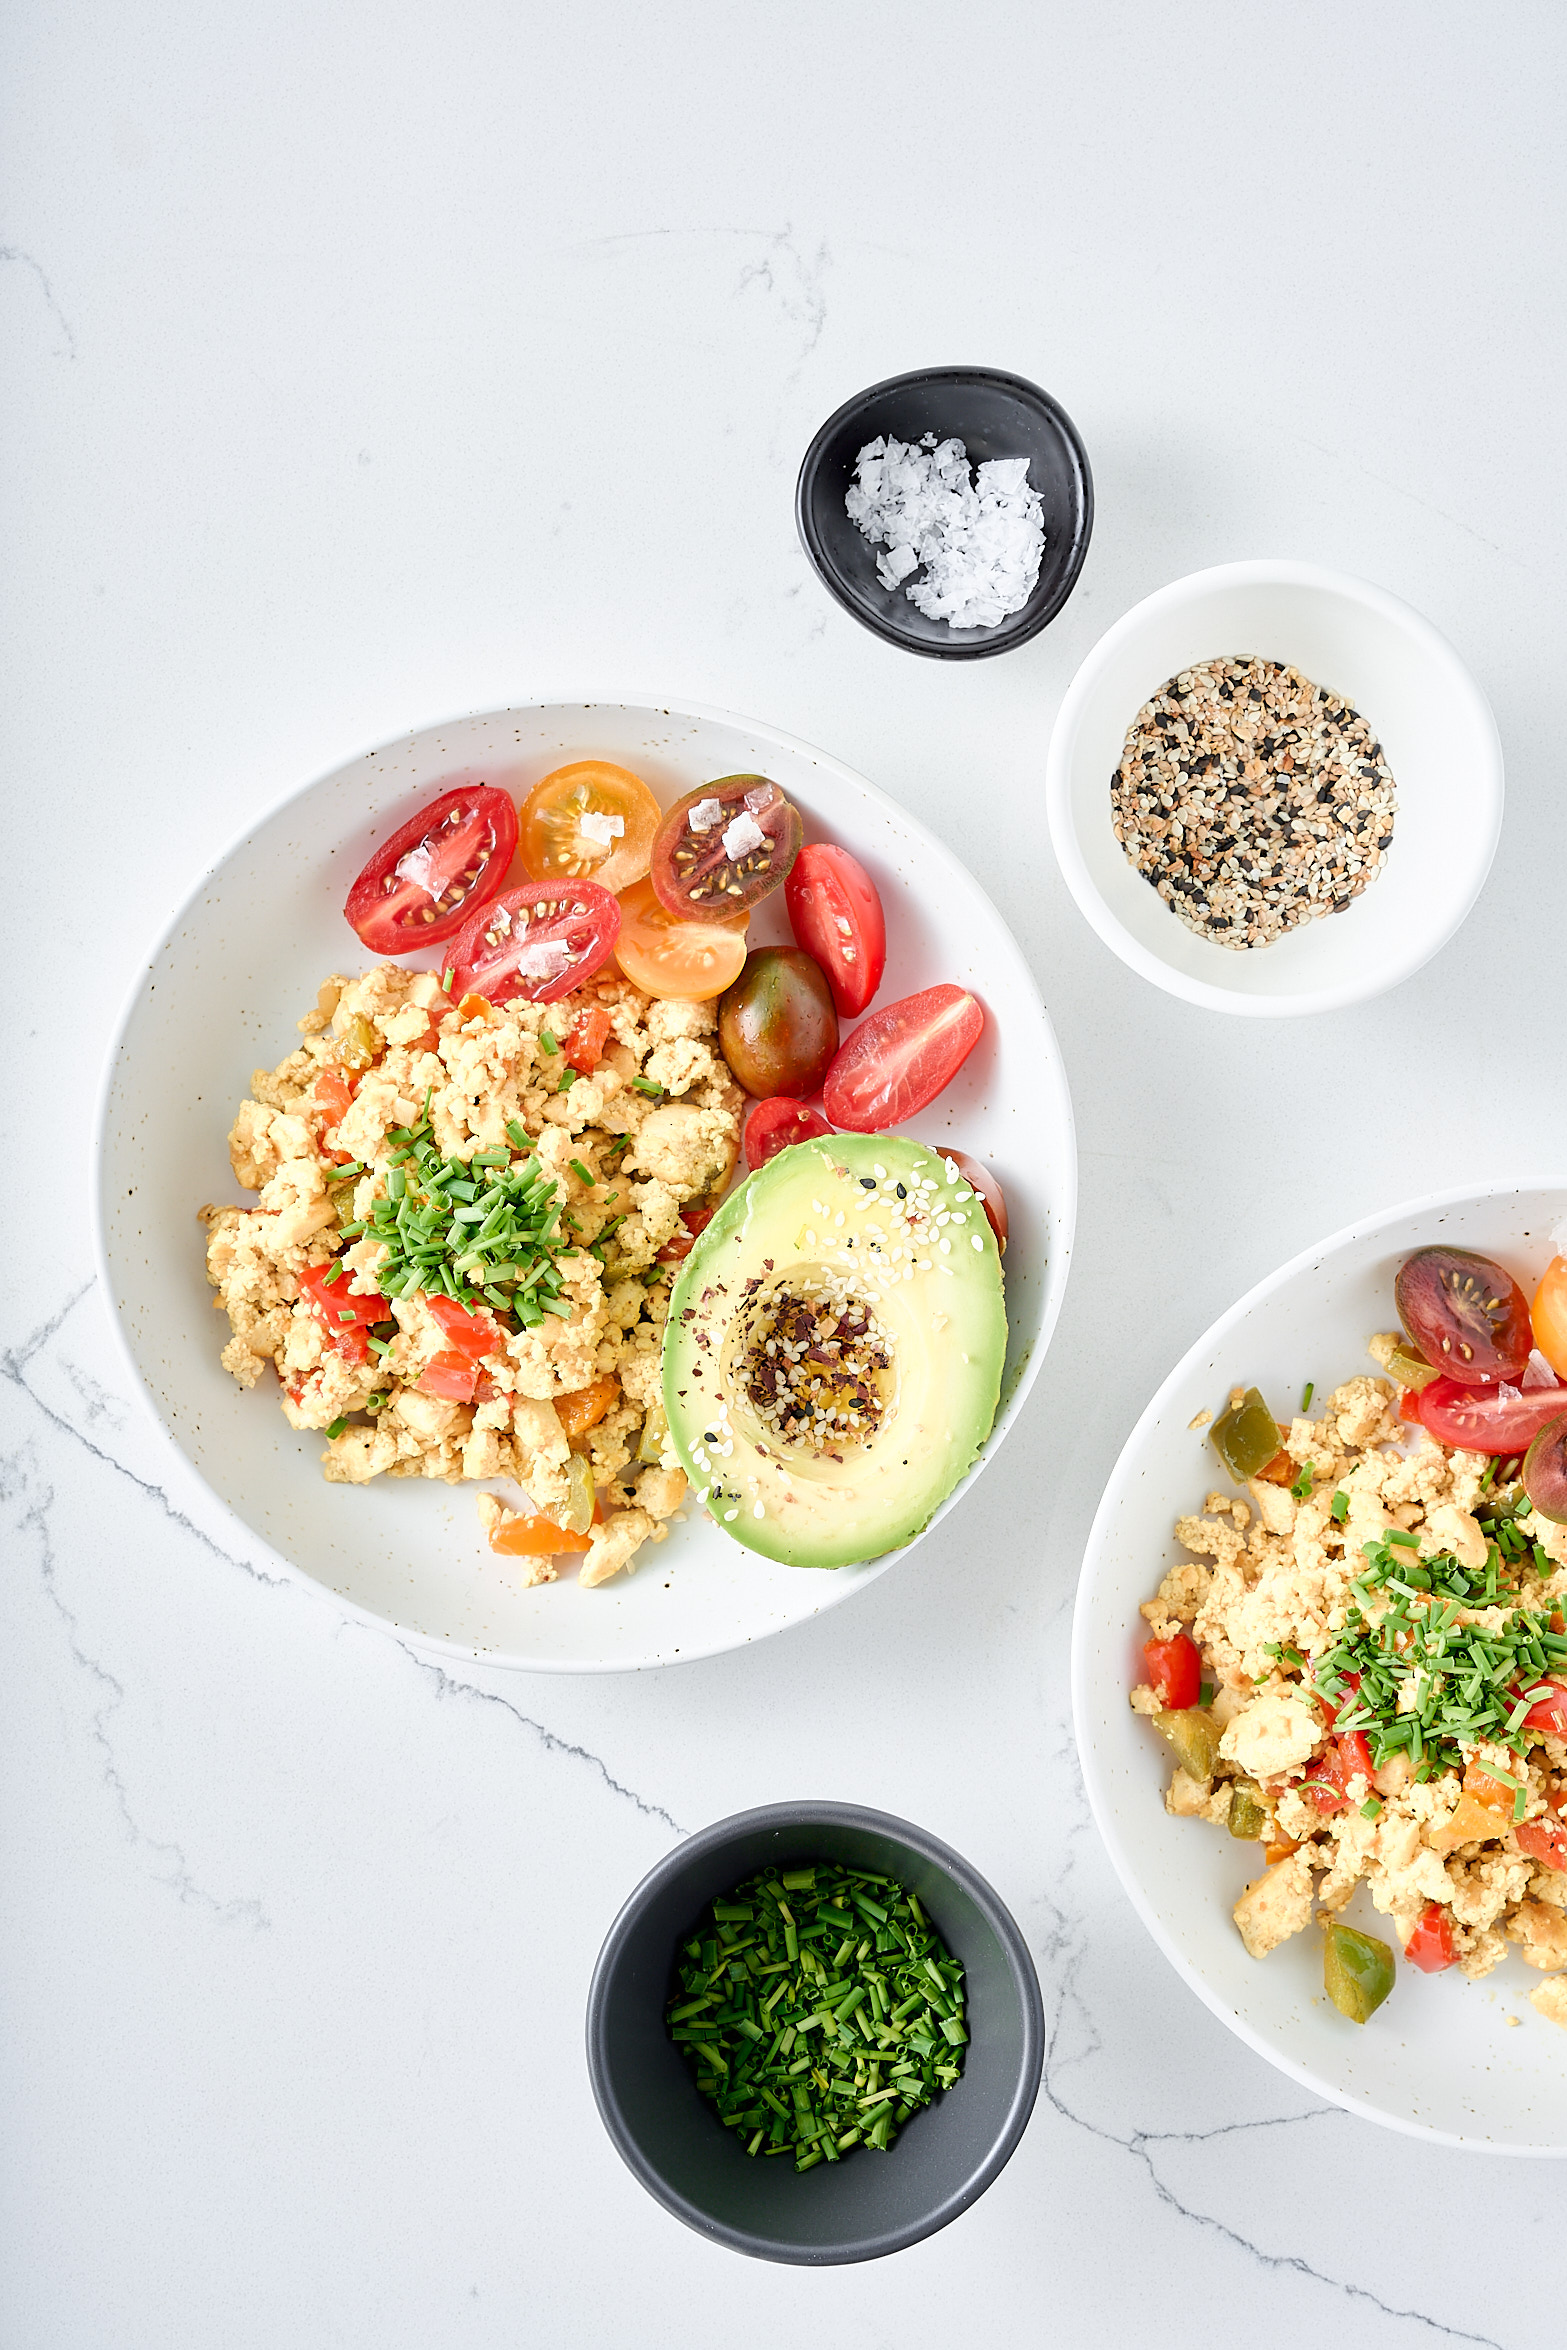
980, 540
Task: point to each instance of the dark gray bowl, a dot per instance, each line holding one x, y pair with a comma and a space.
994, 415
870, 2203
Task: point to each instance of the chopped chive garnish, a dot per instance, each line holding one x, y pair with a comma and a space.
1340, 1507
580, 1172
1301, 1489
547, 1041
336, 1429
1310, 1391
891, 1981
646, 1085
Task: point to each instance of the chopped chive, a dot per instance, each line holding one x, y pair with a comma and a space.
336, 1430
1310, 1391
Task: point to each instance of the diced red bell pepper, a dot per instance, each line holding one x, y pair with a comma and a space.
680, 1244
1544, 1841
584, 1041
335, 1089
472, 1334
450, 1374
1174, 1669
1431, 1946
1329, 1781
1409, 1406
1550, 1711
344, 1315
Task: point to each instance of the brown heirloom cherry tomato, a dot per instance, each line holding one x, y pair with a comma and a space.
776, 1025
1465, 1314
722, 849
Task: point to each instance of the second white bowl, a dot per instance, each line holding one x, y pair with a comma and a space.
1430, 716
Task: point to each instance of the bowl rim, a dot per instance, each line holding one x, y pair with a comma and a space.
434, 1645
1488, 786
806, 1814
1122, 1476
1009, 633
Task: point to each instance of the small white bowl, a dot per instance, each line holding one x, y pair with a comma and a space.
1432, 720
1440, 2060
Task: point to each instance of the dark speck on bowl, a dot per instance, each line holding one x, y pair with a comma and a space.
994, 415
871, 2203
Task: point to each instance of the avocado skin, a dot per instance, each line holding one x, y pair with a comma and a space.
882, 1495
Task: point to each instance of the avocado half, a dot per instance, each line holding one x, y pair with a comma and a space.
833, 1354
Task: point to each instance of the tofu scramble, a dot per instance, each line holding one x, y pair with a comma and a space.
1339, 1625
398, 1098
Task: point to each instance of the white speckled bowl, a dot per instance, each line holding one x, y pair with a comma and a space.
1403, 676
221, 993
1439, 2059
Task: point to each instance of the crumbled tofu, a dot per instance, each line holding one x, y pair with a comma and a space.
1276, 1906
1276, 1731
1550, 1999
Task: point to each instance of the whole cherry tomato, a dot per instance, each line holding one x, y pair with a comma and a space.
776, 1025
774, 1124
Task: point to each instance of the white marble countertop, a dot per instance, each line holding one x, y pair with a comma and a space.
365, 365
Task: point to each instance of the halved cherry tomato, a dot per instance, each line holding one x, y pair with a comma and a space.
1544, 1841
472, 1334
539, 942
1483, 1419
584, 1041
1431, 1946
774, 1124
1550, 1711
1174, 1669
535, 1537
1549, 1316
424, 883
344, 1316
584, 1407
1545, 1472
901, 1058
680, 1244
683, 960
588, 822
836, 916
728, 844
985, 1187
1465, 1313
1328, 1781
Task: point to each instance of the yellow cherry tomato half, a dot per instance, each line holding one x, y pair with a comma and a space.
1549, 1316
664, 957
588, 822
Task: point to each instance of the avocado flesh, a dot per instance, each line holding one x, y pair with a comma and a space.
818, 1251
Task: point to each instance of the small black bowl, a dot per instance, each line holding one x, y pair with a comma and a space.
871, 2203
994, 415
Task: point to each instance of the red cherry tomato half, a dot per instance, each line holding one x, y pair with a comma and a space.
776, 1123
1174, 1669
722, 849
901, 1058
836, 916
983, 1184
422, 885
1483, 1419
1431, 1946
681, 1242
1465, 1313
539, 941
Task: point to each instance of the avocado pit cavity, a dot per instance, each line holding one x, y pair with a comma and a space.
815, 1362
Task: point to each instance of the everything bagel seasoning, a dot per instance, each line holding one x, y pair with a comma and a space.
1252, 800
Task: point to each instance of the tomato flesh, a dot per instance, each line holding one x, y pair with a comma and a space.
725, 846
1466, 1314
836, 915
538, 942
588, 822
901, 1058
1486, 1420
774, 1124
343, 1315
1544, 1841
471, 1334
687, 961
1549, 1316
776, 1025
424, 883
535, 1537
1174, 1669
1545, 1471
1549, 1712
681, 1242
985, 1188
584, 1041
1431, 1946
1345, 1755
